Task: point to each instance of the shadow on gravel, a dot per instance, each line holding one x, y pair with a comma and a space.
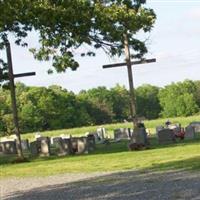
140, 185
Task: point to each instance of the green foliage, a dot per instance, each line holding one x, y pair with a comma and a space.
179, 99
98, 24
53, 108
148, 102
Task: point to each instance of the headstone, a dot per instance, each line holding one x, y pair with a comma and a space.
196, 126
74, 143
82, 144
121, 133
1, 149
34, 148
44, 146
130, 132
25, 144
91, 142
158, 128
96, 137
139, 136
60, 146
40, 147
67, 145
189, 132
8, 147
101, 132
166, 136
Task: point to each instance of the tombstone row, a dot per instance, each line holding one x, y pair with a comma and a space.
169, 134
42, 146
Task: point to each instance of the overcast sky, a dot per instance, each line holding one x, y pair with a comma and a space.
174, 42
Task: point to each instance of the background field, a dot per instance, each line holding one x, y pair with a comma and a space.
151, 124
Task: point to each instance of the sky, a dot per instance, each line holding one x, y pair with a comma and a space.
174, 42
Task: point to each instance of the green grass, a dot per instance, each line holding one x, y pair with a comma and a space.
114, 157
150, 124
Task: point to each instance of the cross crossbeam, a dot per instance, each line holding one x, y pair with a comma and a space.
144, 61
24, 74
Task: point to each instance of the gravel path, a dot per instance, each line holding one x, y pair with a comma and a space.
129, 185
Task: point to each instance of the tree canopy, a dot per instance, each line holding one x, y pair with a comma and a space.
51, 108
64, 26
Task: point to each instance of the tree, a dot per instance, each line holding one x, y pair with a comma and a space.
178, 99
147, 101
119, 99
99, 24
97, 104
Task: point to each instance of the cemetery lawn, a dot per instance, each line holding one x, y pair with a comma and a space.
150, 124
184, 155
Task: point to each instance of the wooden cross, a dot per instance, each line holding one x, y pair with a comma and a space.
11, 77
129, 64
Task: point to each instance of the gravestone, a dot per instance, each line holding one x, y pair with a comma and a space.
1, 149
158, 128
41, 146
67, 145
44, 144
101, 132
139, 136
34, 148
8, 147
82, 143
130, 133
25, 144
74, 143
139, 139
121, 133
166, 136
60, 146
96, 137
91, 142
189, 132
196, 126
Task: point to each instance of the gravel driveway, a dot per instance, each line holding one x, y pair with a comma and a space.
139, 185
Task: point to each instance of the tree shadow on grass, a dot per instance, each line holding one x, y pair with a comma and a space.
129, 185
190, 164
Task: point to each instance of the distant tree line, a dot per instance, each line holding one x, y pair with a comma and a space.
43, 108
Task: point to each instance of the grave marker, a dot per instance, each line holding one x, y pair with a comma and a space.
121, 133
139, 136
166, 136
60, 147
189, 132
8, 147
25, 145
196, 126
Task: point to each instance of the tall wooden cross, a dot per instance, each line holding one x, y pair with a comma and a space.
11, 77
129, 64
